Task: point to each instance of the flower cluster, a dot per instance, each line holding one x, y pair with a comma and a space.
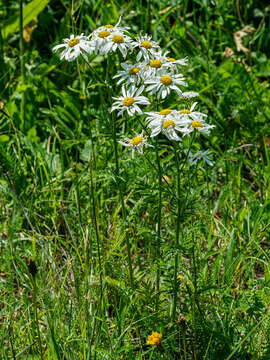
154, 71
103, 40
149, 75
154, 338
172, 122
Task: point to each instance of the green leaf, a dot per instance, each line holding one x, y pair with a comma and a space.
4, 138
85, 153
32, 134
30, 11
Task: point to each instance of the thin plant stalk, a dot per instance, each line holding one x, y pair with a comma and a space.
36, 314
158, 224
158, 216
152, 352
122, 201
92, 164
149, 16
177, 231
117, 171
22, 105
97, 233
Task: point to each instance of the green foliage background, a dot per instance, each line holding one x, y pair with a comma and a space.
46, 208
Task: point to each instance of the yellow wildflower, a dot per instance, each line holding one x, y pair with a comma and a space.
154, 339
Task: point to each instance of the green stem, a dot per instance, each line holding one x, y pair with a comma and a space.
152, 352
98, 77
82, 84
97, 233
92, 194
158, 224
22, 105
188, 152
110, 65
149, 16
176, 234
36, 315
184, 343
122, 200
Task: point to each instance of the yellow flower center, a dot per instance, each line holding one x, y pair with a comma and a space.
168, 123
146, 44
128, 101
155, 63
108, 26
166, 80
118, 39
165, 112
185, 111
134, 71
136, 140
196, 124
171, 59
73, 42
103, 34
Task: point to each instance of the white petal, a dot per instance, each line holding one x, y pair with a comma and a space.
55, 48
193, 106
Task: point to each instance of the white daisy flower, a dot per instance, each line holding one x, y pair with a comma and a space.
146, 47
74, 47
188, 126
172, 63
189, 114
167, 126
100, 39
162, 115
101, 35
131, 74
129, 101
155, 64
136, 143
163, 83
109, 28
200, 155
117, 41
193, 120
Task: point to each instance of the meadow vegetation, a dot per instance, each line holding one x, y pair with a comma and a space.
106, 254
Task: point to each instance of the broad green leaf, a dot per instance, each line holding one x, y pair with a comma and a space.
30, 11
4, 138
